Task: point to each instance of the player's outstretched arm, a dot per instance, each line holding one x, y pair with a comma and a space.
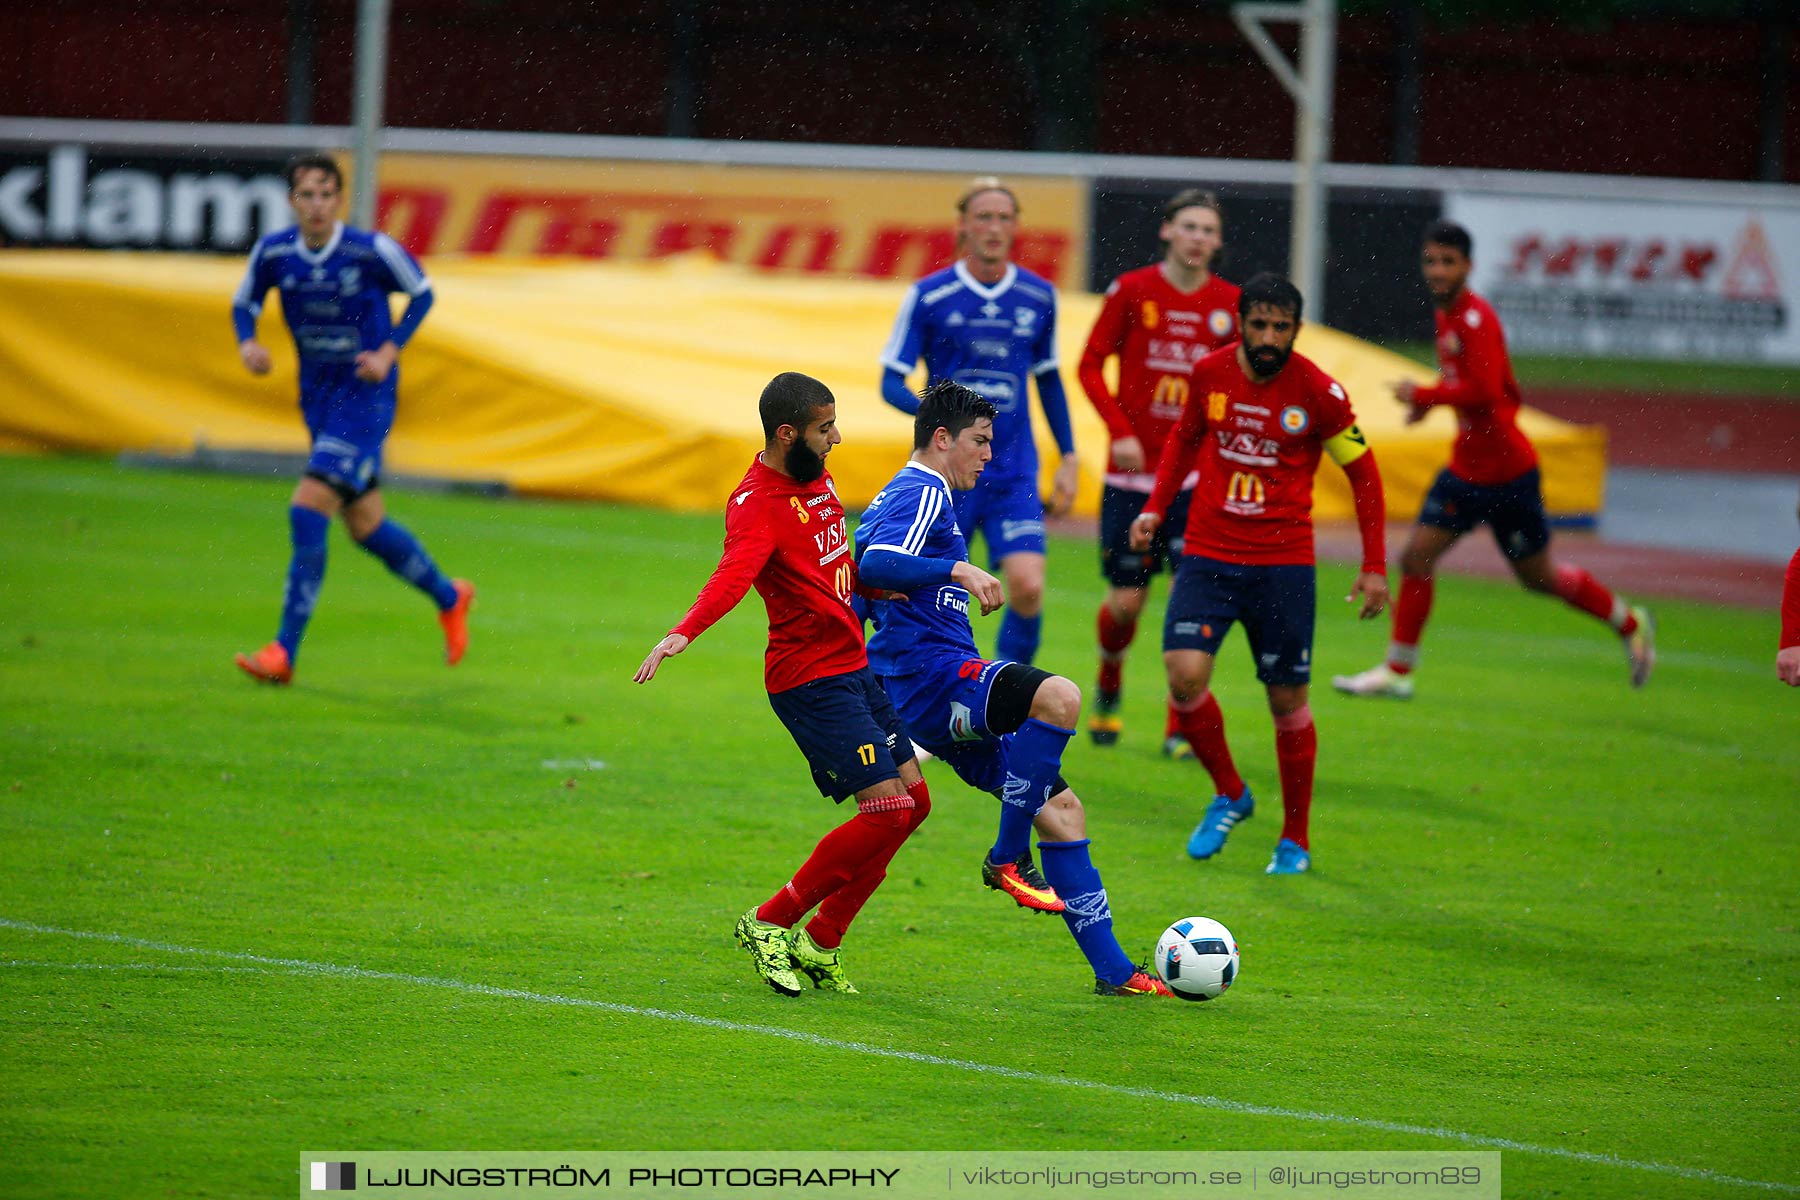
669, 647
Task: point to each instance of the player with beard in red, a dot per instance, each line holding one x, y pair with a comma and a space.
1492, 479
1261, 417
785, 535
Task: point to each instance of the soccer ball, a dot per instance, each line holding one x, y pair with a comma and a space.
1197, 957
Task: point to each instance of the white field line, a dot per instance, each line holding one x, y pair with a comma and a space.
298, 966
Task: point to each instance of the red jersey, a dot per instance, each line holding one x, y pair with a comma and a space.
1258, 446
788, 539
1158, 334
1790, 604
1478, 383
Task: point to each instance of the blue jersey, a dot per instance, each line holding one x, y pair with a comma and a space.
992, 340
913, 515
335, 302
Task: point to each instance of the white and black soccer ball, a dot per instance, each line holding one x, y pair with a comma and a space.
1197, 957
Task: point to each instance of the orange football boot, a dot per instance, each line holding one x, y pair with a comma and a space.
268, 665
455, 621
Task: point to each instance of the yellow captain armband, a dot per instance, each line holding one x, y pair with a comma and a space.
1347, 446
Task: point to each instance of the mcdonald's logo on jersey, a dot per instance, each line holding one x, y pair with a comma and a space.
1171, 392
1245, 492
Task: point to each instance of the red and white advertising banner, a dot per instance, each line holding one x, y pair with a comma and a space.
1646, 280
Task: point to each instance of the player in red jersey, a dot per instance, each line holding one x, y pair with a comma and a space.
1260, 417
1158, 321
784, 534
1787, 654
1492, 478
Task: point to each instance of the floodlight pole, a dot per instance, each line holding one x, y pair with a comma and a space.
1311, 89
371, 87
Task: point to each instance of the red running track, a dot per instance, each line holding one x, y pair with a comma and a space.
1685, 432
1636, 571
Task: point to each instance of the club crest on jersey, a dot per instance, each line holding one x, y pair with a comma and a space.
1218, 322
1295, 419
1150, 316
350, 279
1215, 405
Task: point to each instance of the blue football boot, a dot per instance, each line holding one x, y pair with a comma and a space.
1290, 859
1223, 813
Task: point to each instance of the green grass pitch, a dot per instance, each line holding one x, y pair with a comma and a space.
401, 907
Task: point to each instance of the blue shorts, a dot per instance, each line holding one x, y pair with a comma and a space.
349, 428
850, 734
1008, 513
1276, 605
946, 708
1123, 566
1513, 510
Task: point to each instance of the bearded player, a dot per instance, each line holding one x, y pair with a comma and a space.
784, 534
1260, 418
1492, 479
1158, 321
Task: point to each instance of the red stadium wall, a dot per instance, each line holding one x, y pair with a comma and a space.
1675, 98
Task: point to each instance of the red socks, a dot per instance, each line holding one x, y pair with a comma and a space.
1115, 639
829, 924
1410, 614
1296, 752
1578, 589
1203, 725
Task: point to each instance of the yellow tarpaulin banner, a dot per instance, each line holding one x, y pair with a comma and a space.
633, 382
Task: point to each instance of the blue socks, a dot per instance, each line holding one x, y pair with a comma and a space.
1018, 638
1033, 761
1088, 916
306, 571
400, 550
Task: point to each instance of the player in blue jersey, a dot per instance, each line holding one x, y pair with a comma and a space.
334, 283
990, 325
1001, 725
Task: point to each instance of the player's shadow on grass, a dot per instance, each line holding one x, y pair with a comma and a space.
1461, 804
444, 706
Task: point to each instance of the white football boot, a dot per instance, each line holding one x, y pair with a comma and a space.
1378, 680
